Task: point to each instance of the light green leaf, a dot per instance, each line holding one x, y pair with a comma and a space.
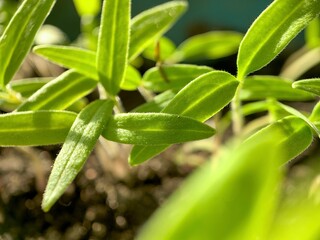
85, 7
262, 87
26, 87
81, 60
18, 37
230, 199
315, 114
113, 43
79, 143
200, 100
60, 93
312, 34
157, 104
210, 45
84, 61
35, 128
272, 31
309, 85
151, 24
159, 79
155, 129
162, 49
294, 136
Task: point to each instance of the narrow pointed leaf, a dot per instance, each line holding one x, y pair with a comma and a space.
272, 31
113, 44
262, 87
79, 143
155, 129
309, 85
200, 100
26, 87
294, 136
18, 37
211, 45
172, 76
149, 25
213, 202
60, 93
35, 128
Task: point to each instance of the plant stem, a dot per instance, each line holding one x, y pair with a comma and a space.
237, 117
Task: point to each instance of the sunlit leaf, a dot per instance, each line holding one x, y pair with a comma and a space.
155, 129
149, 25
262, 87
159, 79
35, 128
79, 143
19, 35
200, 100
272, 31
233, 198
309, 85
162, 49
113, 42
60, 93
85, 7
313, 34
26, 87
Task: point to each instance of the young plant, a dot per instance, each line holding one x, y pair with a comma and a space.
187, 96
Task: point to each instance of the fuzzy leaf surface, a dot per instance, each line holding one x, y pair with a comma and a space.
149, 25
35, 128
155, 129
113, 43
272, 31
60, 93
79, 143
200, 99
172, 76
18, 37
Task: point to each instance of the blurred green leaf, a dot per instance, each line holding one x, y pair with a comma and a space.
272, 31
309, 85
162, 48
294, 136
233, 198
159, 79
315, 114
132, 79
261, 87
210, 45
155, 129
26, 87
85, 7
200, 100
113, 43
60, 93
19, 35
312, 34
35, 128
79, 143
151, 24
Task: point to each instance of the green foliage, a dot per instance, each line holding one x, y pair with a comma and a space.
236, 195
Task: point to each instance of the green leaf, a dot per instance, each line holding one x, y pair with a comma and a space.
159, 79
157, 104
162, 48
235, 198
151, 24
26, 87
155, 129
60, 93
84, 61
262, 87
18, 37
309, 85
315, 114
272, 31
294, 136
81, 60
79, 143
210, 45
35, 128
200, 100
312, 34
85, 8
113, 43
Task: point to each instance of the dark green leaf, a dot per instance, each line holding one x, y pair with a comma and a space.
79, 143
18, 37
35, 128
